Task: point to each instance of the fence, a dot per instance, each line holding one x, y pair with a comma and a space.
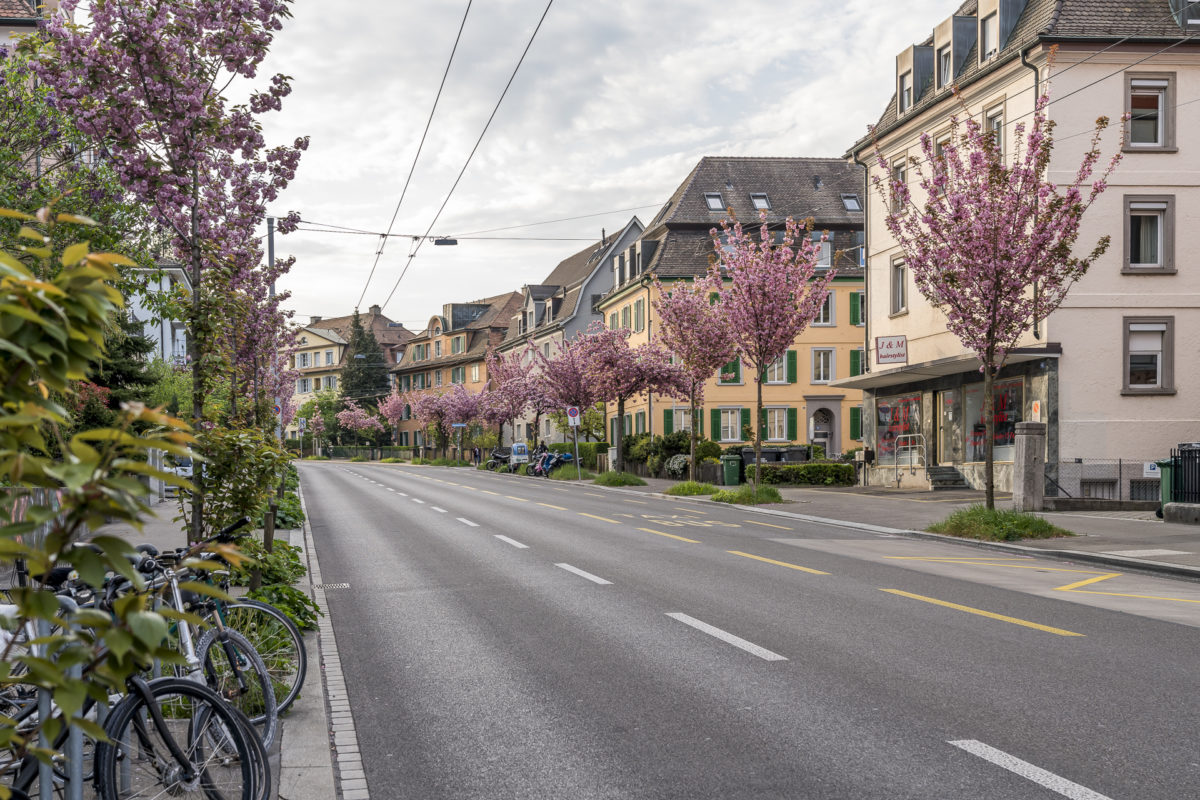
1102, 479
1185, 475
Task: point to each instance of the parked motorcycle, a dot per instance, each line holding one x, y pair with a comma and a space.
547, 464
499, 456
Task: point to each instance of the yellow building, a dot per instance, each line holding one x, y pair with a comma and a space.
799, 405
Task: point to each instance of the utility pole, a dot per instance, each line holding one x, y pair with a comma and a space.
271, 265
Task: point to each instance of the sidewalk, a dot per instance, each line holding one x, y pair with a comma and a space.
303, 767
1122, 539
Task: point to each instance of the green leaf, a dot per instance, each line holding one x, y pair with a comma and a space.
70, 697
119, 642
74, 254
148, 627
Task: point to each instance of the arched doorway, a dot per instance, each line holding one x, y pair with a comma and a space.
822, 430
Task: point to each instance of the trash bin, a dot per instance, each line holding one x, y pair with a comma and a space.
1166, 471
731, 468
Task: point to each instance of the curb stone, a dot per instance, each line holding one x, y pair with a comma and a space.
343, 738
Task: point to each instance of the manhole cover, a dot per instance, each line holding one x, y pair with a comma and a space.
332, 586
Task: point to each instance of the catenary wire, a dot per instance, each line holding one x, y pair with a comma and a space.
420, 146
471, 155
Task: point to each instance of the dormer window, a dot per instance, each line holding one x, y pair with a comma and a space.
945, 67
713, 201
989, 36
850, 202
760, 201
906, 92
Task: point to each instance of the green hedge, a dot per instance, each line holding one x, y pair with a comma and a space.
587, 451
820, 473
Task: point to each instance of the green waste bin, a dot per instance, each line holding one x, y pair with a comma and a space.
731, 466
1166, 471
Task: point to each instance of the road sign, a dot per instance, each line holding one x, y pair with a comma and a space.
278, 409
573, 416
458, 424
303, 423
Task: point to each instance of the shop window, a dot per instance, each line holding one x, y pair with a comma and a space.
1007, 397
898, 417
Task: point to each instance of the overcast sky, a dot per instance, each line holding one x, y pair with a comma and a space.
615, 103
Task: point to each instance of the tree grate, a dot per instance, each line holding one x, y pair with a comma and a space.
332, 586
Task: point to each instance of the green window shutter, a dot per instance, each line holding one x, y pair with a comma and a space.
628, 424
715, 424
712, 298
855, 362
737, 367
612, 429
762, 424
612, 320
856, 423
792, 425
745, 423
700, 421
855, 308
791, 366
668, 421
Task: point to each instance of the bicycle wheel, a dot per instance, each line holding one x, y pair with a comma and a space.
277, 640
237, 673
260, 762
194, 749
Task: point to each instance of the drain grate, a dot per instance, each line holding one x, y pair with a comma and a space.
332, 586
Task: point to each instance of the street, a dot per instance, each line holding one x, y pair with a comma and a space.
512, 637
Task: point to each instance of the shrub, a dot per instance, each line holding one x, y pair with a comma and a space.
392, 461
316, 458
677, 466
587, 451
288, 513
295, 604
619, 479
360, 459
448, 462
654, 465
711, 460
673, 444
639, 447
567, 473
691, 489
977, 522
818, 473
281, 565
707, 449
745, 496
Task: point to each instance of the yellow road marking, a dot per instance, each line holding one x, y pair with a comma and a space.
602, 519
593, 494
451, 483
767, 525
521, 499
489, 491
778, 563
690, 510
669, 535
556, 508
639, 502
982, 613
1074, 589
472, 488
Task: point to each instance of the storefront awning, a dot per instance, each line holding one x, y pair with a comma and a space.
967, 362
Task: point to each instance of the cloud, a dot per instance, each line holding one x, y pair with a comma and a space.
615, 103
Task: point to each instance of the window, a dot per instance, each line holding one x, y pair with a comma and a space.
546, 349
546, 428
457, 375
777, 424
899, 176
850, 202
899, 287
824, 250
777, 370
625, 317
681, 420
437, 378
856, 361
945, 67
1149, 355
1149, 100
612, 321
329, 382
731, 424
474, 373
906, 92
760, 201
1006, 411
405, 383
825, 314
858, 308
1149, 233
896, 417
639, 422
713, 201
731, 372
437, 348
639, 315
303, 385
822, 365
456, 344
994, 127
302, 360
989, 36
328, 357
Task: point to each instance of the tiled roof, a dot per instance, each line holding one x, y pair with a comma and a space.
325, 333
503, 306
688, 252
386, 332
789, 183
576, 268
1050, 21
17, 9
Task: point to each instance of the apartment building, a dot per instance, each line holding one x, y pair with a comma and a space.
451, 350
1106, 371
562, 306
802, 405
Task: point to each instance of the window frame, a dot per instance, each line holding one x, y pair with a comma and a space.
822, 351
708, 201
1166, 360
993, 124
474, 373
766, 201
736, 413
830, 305
945, 52
1166, 111
777, 411
899, 168
779, 367
847, 198
1166, 233
904, 91
992, 20
898, 290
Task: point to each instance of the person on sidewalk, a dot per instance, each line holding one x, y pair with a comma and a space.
475, 455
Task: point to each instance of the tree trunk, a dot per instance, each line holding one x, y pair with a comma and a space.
620, 435
197, 527
989, 421
756, 432
692, 436
537, 426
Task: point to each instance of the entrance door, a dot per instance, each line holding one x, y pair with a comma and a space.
822, 430
950, 430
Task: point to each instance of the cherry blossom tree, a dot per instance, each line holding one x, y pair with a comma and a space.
992, 243
509, 389
463, 407
564, 379
620, 372
358, 419
694, 328
774, 291
392, 408
434, 410
316, 426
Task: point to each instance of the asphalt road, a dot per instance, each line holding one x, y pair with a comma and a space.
510, 637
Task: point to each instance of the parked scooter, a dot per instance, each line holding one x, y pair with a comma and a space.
548, 463
536, 458
499, 456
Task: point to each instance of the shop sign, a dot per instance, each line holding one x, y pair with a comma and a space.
891, 349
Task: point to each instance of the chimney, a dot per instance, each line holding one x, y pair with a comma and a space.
603, 237
376, 310
313, 320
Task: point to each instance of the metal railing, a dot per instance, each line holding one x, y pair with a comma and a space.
1185, 474
1118, 479
912, 446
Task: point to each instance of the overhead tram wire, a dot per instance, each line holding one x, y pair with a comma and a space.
411, 169
564, 219
470, 156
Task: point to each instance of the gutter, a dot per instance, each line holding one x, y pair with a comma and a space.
866, 263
